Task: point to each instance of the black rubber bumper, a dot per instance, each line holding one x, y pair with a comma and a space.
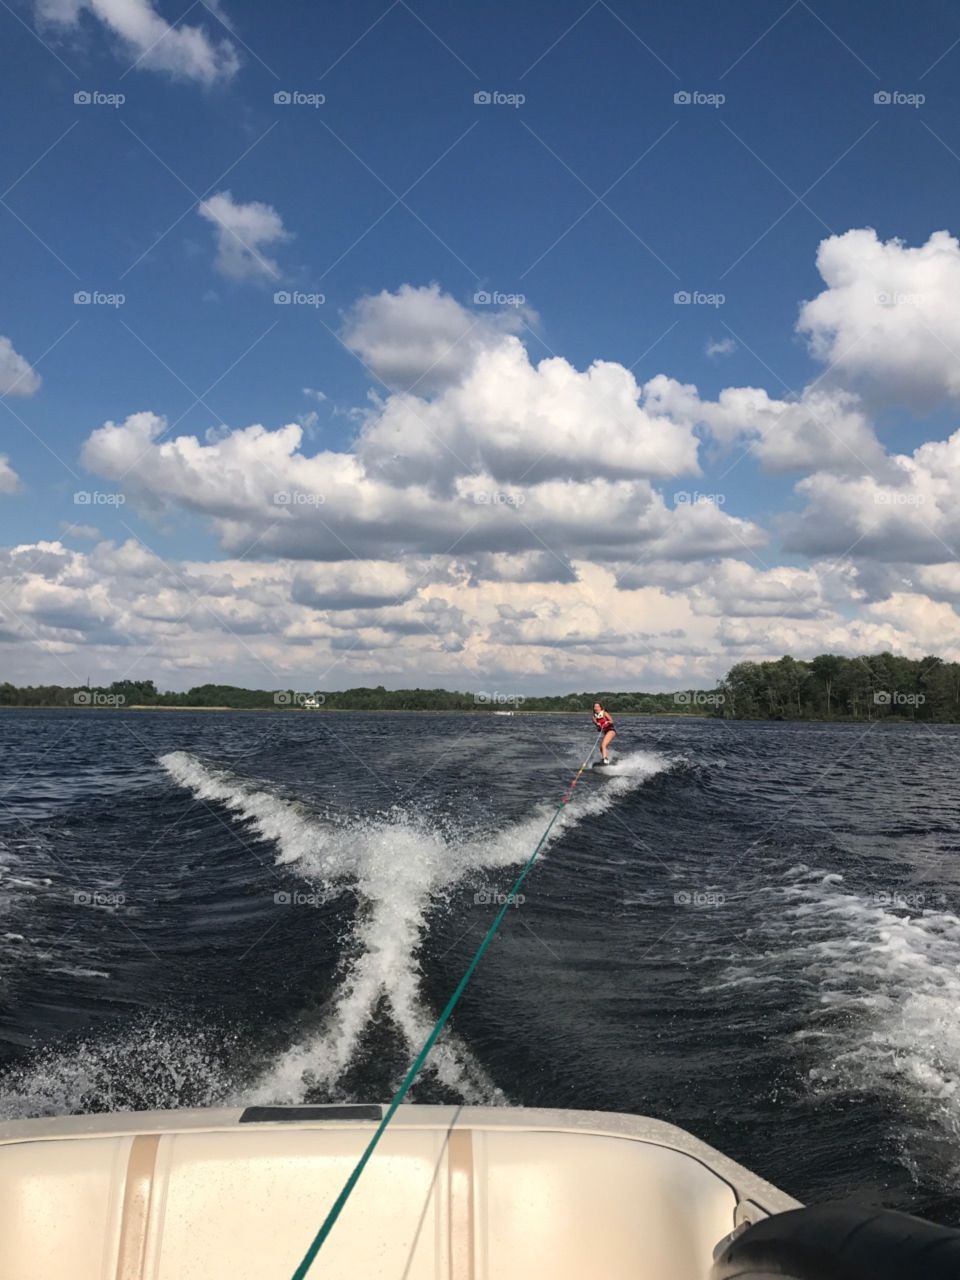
841, 1242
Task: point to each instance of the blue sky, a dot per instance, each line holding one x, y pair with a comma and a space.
597, 198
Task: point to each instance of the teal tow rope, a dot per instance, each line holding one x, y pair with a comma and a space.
351, 1182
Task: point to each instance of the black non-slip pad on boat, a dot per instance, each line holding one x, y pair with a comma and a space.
277, 1115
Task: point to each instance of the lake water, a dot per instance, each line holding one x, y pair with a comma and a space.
749, 929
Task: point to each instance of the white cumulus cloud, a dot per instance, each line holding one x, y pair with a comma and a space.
720, 346
910, 515
17, 378
148, 40
888, 320
421, 338
261, 490
820, 429
9, 480
243, 231
501, 514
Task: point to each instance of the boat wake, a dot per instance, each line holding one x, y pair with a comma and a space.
398, 867
152, 1064
884, 973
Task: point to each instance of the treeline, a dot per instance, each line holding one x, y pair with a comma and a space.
830, 687
144, 693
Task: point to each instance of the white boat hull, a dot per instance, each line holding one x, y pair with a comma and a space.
451, 1193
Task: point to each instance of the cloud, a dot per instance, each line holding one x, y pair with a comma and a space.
184, 52
939, 581
821, 429
373, 585
909, 516
672, 575
523, 566
506, 516
242, 230
523, 423
116, 610
483, 407
9, 480
735, 589
17, 378
888, 321
721, 346
265, 496
508, 459
420, 337
933, 626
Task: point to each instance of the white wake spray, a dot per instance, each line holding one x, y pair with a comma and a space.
886, 976
398, 868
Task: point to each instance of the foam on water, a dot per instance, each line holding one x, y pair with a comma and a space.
150, 1065
398, 867
885, 987
76, 971
292, 828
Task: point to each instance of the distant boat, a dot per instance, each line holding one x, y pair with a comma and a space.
310, 704
503, 713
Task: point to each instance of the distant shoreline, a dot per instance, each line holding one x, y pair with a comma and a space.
365, 711
826, 689
471, 711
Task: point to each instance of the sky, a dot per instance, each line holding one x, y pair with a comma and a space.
515, 348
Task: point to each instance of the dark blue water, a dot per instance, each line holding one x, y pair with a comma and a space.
751, 930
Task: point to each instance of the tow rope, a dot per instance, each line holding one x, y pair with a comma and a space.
341, 1200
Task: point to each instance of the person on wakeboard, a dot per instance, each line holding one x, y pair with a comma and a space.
603, 723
